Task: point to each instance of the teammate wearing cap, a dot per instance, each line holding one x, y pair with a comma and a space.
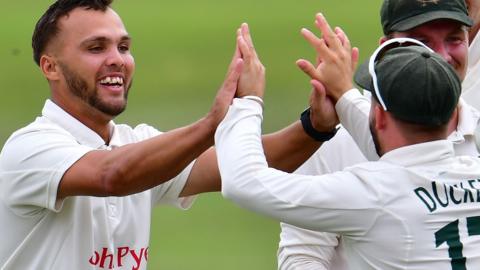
440, 24
403, 212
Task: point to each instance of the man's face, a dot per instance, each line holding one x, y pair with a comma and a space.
93, 53
447, 38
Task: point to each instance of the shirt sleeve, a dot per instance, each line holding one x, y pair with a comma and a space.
311, 202
353, 110
305, 249
32, 163
167, 192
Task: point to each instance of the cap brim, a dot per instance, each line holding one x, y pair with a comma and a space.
415, 21
362, 77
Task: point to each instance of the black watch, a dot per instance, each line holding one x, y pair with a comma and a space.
311, 131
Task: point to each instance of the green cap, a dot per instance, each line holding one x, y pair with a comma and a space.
414, 84
403, 15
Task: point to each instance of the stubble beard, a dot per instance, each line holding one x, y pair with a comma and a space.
79, 88
378, 148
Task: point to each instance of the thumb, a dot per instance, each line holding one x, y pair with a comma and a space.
229, 86
319, 90
355, 57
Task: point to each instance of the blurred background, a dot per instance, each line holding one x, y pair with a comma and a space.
182, 49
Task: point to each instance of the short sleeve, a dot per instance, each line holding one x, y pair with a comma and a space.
168, 192
32, 163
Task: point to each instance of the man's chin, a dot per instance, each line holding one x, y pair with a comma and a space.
112, 109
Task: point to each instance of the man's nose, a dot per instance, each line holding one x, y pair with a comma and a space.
115, 58
442, 50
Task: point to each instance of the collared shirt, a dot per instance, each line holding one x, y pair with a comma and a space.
317, 250
82, 232
402, 212
353, 110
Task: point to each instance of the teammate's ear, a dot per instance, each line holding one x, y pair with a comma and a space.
380, 117
49, 67
382, 40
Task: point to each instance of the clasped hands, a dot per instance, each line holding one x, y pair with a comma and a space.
331, 76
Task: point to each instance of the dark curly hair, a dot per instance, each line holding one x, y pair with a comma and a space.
47, 26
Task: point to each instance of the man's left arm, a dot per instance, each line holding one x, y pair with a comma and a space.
311, 202
285, 150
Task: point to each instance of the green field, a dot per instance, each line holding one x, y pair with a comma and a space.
182, 49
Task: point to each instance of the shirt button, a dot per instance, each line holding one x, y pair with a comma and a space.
113, 210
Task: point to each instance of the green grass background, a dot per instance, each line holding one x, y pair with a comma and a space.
182, 49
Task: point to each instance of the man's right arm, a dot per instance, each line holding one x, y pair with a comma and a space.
137, 167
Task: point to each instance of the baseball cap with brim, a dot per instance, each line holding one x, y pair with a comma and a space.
362, 75
403, 15
413, 83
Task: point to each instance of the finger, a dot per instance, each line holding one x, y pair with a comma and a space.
317, 43
327, 32
308, 69
340, 35
323, 105
246, 34
230, 84
248, 38
355, 57
236, 54
343, 38
319, 91
244, 49
317, 97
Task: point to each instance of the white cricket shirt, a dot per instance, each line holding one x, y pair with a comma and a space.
82, 232
406, 211
471, 83
305, 249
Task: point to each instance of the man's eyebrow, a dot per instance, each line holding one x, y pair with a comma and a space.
103, 39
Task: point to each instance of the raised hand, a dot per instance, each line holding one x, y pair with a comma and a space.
336, 59
227, 91
322, 109
252, 79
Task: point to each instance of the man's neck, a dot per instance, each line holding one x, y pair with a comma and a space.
90, 117
453, 124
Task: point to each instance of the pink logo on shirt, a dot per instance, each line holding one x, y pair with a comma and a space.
106, 260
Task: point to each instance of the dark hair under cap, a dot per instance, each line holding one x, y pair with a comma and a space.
47, 26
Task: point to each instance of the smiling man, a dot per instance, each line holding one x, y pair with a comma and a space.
76, 189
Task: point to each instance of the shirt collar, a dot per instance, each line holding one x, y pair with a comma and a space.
468, 118
77, 129
421, 153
